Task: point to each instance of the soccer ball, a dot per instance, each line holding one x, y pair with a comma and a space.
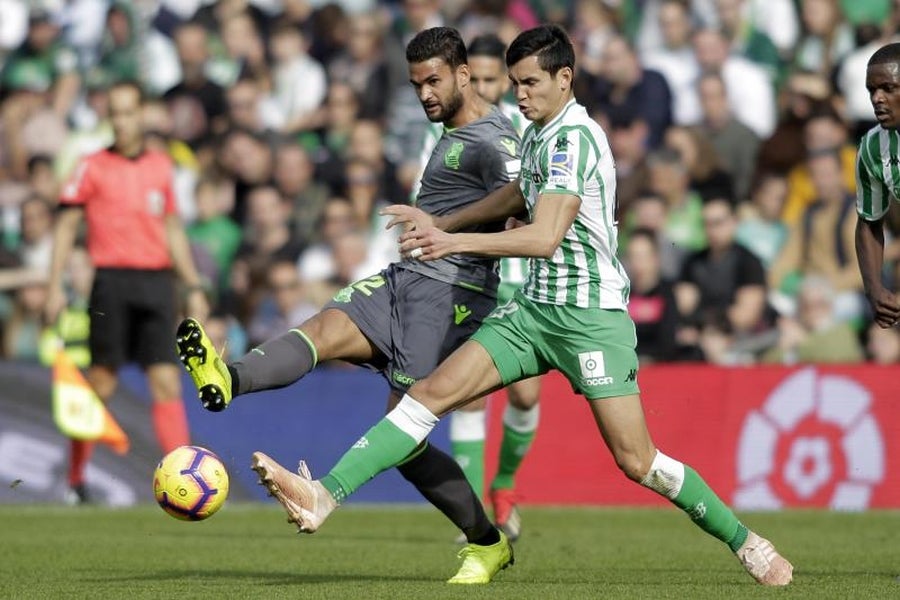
190, 483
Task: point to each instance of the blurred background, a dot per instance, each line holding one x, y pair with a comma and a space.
733, 123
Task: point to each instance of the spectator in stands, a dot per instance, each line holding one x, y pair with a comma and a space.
822, 241
826, 38
704, 166
41, 178
298, 80
628, 136
363, 191
43, 64
625, 85
675, 59
724, 276
36, 228
330, 144
803, 93
267, 237
761, 229
670, 179
284, 304
751, 94
823, 131
367, 143
735, 144
22, 330
119, 58
213, 232
248, 159
817, 334
652, 301
30, 127
197, 103
316, 262
294, 178
244, 47
748, 41
650, 211
362, 66
249, 108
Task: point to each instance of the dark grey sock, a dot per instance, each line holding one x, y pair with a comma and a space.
441, 481
275, 363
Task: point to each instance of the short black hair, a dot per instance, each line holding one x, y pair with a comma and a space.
549, 43
889, 53
489, 45
444, 43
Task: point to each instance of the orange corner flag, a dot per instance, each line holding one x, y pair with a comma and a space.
77, 410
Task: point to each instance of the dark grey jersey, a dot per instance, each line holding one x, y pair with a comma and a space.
467, 164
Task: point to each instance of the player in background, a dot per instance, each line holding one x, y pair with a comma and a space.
878, 180
406, 319
135, 239
468, 426
570, 315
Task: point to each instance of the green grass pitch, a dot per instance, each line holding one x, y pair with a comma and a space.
249, 551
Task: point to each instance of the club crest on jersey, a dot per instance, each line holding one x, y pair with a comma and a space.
155, 202
453, 154
560, 168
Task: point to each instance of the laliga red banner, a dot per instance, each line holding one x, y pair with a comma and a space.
762, 437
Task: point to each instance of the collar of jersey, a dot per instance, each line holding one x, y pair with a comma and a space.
558, 117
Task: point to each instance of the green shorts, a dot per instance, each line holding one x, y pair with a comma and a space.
593, 347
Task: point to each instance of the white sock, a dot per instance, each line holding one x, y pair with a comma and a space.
523, 421
412, 418
666, 476
468, 425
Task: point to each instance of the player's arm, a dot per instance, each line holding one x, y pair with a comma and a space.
64, 233
183, 263
873, 199
870, 256
503, 202
553, 216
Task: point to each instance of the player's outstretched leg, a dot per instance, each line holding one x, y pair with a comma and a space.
687, 490
306, 502
205, 366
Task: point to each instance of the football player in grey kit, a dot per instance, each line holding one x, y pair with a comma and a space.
405, 320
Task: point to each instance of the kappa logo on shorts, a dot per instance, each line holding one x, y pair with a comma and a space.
593, 368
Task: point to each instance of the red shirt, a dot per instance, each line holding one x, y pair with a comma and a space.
126, 201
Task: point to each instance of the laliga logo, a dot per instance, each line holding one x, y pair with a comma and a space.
813, 443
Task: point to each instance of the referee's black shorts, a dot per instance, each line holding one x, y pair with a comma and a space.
132, 315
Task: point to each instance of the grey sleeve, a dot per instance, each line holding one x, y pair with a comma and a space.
498, 164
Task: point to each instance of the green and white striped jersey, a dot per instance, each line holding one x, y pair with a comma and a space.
571, 155
877, 172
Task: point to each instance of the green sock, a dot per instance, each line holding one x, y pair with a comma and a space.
513, 449
702, 505
382, 447
470, 456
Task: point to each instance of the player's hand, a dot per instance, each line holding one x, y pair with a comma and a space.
886, 306
426, 244
514, 223
55, 303
408, 216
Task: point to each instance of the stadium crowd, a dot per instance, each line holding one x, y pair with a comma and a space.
733, 124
